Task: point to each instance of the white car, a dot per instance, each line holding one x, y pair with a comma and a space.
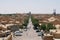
17, 33
39, 33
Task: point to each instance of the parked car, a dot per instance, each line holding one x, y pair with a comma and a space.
17, 33
8, 33
21, 31
39, 33
37, 30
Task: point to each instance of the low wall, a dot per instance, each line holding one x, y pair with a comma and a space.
56, 35
8, 37
48, 38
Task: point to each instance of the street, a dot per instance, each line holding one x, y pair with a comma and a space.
30, 34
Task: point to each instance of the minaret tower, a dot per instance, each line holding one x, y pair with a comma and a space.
54, 12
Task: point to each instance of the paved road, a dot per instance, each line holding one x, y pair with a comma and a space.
30, 34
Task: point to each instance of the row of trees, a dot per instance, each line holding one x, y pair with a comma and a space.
35, 22
47, 26
26, 22
43, 26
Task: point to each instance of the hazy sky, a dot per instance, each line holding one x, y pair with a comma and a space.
35, 6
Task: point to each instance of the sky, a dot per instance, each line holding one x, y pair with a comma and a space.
24, 6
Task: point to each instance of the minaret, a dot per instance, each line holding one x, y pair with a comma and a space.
29, 14
54, 13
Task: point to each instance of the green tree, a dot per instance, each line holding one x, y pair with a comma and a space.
50, 26
43, 27
47, 26
35, 22
26, 22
